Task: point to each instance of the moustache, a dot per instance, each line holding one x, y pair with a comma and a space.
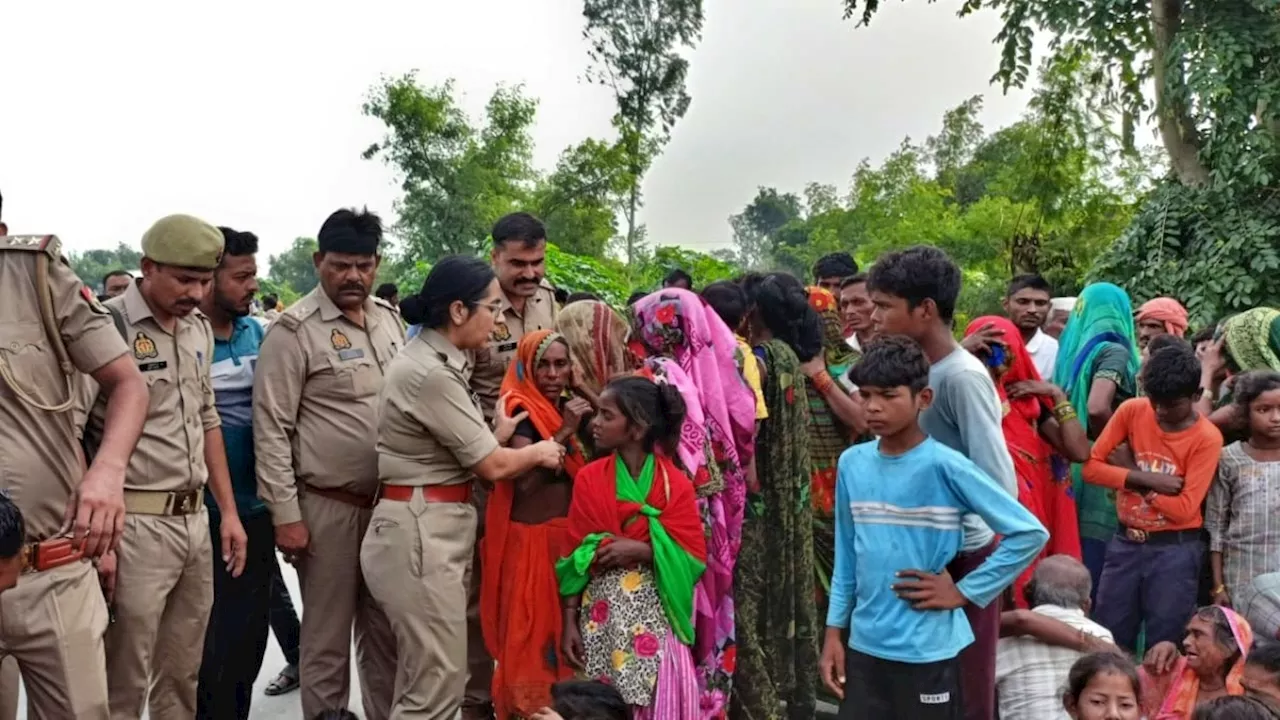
353, 287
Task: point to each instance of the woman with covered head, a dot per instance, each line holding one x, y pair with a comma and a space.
1097, 368
691, 348
1248, 341
1210, 666
597, 338
527, 530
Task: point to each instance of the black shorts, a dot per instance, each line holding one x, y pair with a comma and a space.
878, 689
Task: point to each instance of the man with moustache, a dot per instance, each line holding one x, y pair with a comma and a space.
237, 635
115, 283
528, 303
161, 577
315, 421
1026, 302
855, 312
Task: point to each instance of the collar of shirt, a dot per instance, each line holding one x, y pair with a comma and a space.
505, 305
447, 350
329, 310
1058, 612
1033, 345
853, 342
135, 306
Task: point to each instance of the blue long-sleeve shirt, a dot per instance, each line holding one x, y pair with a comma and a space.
234, 360
904, 512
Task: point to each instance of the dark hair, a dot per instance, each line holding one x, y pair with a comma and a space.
114, 273
580, 296
561, 295
1250, 386
917, 274
238, 244
1171, 373
13, 529
836, 264
636, 297
348, 231
658, 406
853, 280
336, 714
1205, 334
1100, 663
1222, 634
892, 361
386, 291
1236, 707
588, 700
519, 226
677, 276
729, 301
1266, 655
1165, 340
1030, 281
782, 305
270, 301
453, 278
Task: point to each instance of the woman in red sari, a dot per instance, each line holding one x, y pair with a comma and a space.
1039, 425
527, 530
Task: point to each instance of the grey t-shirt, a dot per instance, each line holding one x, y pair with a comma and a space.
966, 416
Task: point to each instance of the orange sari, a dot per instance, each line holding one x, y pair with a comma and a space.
519, 592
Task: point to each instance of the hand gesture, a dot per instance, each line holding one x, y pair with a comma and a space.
235, 543
106, 565
1212, 357
293, 539
621, 553
1037, 388
929, 591
813, 366
504, 424
1161, 658
831, 666
1123, 457
550, 454
574, 412
571, 644
982, 339
95, 512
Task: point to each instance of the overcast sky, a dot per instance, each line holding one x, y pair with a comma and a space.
248, 113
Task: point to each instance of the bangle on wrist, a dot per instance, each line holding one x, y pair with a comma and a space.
1221, 589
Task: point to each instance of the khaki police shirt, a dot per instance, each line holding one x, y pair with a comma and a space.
491, 361
431, 429
315, 400
40, 461
170, 453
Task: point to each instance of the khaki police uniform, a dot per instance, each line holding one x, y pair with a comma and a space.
491, 363
419, 545
164, 580
53, 622
315, 419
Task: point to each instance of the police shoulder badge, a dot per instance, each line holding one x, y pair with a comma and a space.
144, 348
501, 333
94, 303
339, 340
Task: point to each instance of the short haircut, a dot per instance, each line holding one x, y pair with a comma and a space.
636, 297
917, 274
270, 301
561, 295
238, 244
1266, 655
588, 700
351, 232
1030, 281
1164, 340
115, 273
892, 361
1172, 373
519, 227
728, 300
386, 291
1064, 582
13, 529
1205, 334
854, 279
677, 276
836, 264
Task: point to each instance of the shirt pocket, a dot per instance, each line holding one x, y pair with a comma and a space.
30, 363
355, 378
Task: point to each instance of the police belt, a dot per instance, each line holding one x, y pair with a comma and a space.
50, 554
153, 502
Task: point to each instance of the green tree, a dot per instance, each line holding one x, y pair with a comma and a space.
634, 51
579, 200
756, 228
295, 268
91, 265
457, 177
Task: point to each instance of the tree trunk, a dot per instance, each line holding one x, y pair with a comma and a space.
632, 201
1181, 139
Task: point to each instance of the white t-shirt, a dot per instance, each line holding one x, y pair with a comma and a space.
1044, 353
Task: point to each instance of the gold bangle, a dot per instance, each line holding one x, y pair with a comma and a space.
1220, 590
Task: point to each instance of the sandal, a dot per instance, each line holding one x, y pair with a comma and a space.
285, 682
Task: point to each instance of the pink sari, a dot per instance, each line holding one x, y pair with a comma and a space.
692, 349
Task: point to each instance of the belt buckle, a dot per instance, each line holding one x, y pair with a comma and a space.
30, 557
1135, 535
182, 502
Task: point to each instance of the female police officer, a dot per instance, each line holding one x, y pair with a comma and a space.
432, 442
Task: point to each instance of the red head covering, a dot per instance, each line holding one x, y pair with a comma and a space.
1020, 366
1168, 311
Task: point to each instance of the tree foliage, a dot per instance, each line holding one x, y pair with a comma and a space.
91, 265
295, 268
580, 199
635, 51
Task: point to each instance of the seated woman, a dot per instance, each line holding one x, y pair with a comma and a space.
526, 530
1217, 642
639, 551
1039, 423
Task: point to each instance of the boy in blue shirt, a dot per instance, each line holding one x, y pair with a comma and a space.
900, 501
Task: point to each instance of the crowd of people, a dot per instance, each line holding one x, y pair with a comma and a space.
734, 501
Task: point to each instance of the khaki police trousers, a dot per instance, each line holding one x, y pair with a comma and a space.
164, 593
416, 556
479, 662
336, 600
52, 624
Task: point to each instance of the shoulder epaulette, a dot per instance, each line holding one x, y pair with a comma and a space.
292, 317
385, 305
48, 244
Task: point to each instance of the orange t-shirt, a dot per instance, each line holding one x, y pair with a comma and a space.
1190, 454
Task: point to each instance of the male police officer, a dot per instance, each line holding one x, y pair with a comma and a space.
51, 326
163, 579
315, 420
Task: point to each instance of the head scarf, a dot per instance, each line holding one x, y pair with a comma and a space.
1253, 339
836, 351
597, 337
1180, 700
1168, 311
1020, 367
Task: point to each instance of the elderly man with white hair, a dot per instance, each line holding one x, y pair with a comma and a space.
1031, 672
1059, 310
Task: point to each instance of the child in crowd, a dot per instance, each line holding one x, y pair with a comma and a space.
898, 525
13, 537
1261, 676
585, 700
1160, 455
1103, 686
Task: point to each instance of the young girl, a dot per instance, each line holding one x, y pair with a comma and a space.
627, 588
1102, 686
